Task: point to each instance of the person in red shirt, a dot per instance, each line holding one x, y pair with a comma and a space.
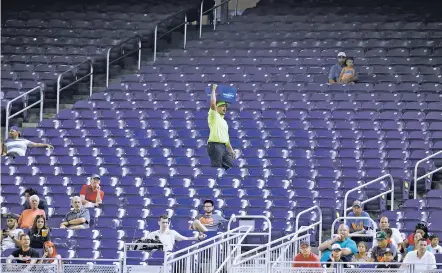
420, 228
89, 193
306, 255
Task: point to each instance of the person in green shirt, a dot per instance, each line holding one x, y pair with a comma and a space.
218, 147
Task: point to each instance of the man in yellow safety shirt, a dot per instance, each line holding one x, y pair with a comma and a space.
218, 147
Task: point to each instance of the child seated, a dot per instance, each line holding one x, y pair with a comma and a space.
348, 72
435, 247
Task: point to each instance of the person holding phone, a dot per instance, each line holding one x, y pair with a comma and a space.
10, 236
39, 232
219, 148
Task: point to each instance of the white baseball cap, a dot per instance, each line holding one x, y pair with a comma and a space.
342, 54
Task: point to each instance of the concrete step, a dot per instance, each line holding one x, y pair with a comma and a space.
66, 106
29, 124
80, 97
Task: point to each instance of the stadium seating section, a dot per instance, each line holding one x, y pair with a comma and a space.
303, 142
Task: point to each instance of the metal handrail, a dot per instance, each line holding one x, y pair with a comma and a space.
108, 62
314, 224
90, 74
425, 175
234, 250
214, 9
374, 197
247, 253
9, 106
234, 217
185, 23
199, 246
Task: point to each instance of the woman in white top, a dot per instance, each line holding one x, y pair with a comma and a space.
16, 146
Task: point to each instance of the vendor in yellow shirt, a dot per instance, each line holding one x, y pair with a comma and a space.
218, 147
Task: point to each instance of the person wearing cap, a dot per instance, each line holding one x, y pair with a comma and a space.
306, 258
348, 246
336, 257
388, 259
41, 205
10, 236
336, 69
359, 226
92, 195
219, 148
78, 217
208, 221
422, 259
17, 146
378, 251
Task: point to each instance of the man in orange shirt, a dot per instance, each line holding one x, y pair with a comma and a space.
92, 195
306, 256
27, 217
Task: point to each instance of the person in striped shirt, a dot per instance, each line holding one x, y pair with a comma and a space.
17, 146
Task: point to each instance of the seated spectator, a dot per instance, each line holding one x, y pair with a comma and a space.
348, 246
416, 238
168, 236
306, 256
89, 193
50, 255
336, 257
25, 252
359, 226
41, 205
396, 237
362, 255
39, 232
336, 69
78, 217
422, 259
16, 146
348, 73
10, 236
378, 251
27, 217
420, 228
435, 247
388, 258
208, 221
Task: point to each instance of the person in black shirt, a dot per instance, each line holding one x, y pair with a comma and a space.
39, 232
388, 258
336, 257
25, 252
42, 205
